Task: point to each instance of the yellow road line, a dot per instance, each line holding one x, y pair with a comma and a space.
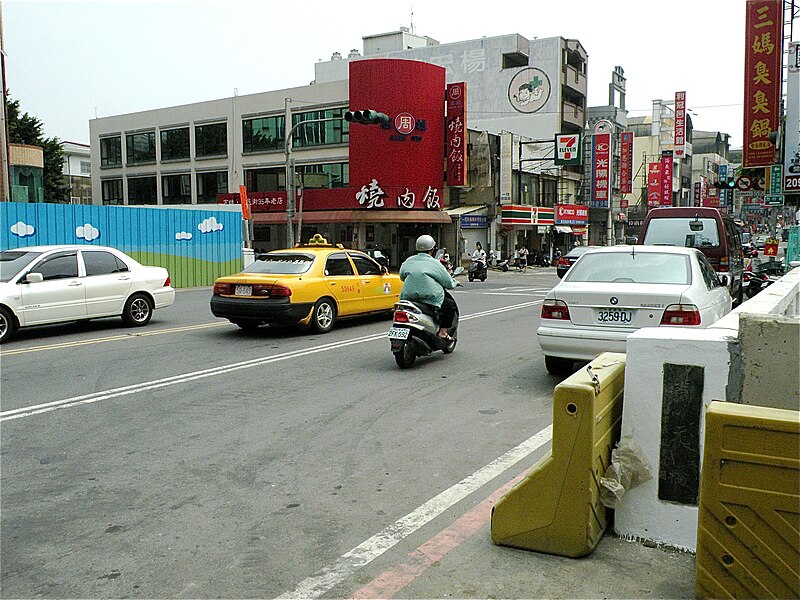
112, 338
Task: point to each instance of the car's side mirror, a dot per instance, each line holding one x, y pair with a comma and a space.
33, 278
384, 270
723, 280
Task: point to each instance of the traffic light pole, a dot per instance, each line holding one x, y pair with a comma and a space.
291, 189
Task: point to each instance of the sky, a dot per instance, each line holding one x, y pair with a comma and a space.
68, 62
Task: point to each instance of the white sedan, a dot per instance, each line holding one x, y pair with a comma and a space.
611, 292
54, 284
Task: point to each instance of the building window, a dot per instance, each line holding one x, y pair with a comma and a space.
140, 148
86, 167
176, 189
112, 191
175, 144
211, 184
211, 140
321, 176
111, 152
262, 134
142, 190
321, 133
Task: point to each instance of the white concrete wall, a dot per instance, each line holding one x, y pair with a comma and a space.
718, 349
641, 514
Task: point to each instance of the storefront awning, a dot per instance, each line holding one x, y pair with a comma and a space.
563, 229
465, 210
356, 216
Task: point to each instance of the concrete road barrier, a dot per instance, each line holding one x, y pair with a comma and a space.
556, 508
748, 535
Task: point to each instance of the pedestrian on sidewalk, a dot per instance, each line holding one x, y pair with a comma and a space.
516, 257
523, 258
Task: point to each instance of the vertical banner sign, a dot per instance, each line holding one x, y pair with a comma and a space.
654, 184
762, 80
791, 166
244, 202
601, 166
568, 149
723, 192
666, 179
680, 123
698, 190
456, 134
626, 162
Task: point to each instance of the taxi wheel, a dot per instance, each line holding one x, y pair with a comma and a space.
324, 315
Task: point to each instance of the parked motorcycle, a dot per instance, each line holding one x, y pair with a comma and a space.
415, 331
753, 282
497, 265
540, 260
477, 270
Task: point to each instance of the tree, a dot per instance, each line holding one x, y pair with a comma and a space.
27, 129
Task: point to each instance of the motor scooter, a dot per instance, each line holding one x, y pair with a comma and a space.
415, 331
443, 257
477, 270
753, 283
497, 265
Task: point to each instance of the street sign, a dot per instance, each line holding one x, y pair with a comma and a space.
773, 200
776, 179
771, 247
744, 183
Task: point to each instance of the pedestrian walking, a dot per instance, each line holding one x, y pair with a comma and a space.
516, 257
523, 258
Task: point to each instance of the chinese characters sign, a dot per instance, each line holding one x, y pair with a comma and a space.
762, 80
571, 214
666, 179
601, 170
654, 184
456, 143
626, 162
680, 123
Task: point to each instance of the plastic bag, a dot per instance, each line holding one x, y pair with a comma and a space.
629, 467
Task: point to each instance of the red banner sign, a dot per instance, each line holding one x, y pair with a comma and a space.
456, 134
601, 170
762, 80
626, 162
680, 123
654, 184
571, 214
666, 180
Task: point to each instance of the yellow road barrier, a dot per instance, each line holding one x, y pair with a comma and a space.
556, 508
748, 531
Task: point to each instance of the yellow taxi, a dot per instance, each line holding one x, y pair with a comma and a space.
311, 285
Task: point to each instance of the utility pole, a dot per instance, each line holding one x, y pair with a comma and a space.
289, 173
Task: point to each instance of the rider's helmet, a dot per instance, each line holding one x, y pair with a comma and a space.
425, 243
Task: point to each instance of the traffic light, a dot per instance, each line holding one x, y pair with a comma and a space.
724, 185
366, 117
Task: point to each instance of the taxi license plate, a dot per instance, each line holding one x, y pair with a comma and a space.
615, 315
243, 290
398, 333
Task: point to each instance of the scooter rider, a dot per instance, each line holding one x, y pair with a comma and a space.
480, 254
426, 280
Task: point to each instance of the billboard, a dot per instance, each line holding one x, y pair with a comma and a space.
601, 170
762, 80
679, 139
456, 142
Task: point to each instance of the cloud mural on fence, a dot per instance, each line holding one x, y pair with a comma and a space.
210, 225
87, 232
183, 235
21, 229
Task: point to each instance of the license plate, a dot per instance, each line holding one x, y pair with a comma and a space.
244, 290
398, 333
615, 315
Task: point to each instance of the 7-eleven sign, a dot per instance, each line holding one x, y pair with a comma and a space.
568, 149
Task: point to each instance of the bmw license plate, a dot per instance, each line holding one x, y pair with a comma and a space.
398, 333
243, 290
615, 316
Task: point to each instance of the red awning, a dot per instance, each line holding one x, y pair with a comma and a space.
356, 216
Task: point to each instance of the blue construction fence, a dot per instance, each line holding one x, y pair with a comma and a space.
195, 246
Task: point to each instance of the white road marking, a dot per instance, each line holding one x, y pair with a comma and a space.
349, 563
28, 411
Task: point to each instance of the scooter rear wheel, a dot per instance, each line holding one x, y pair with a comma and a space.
405, 357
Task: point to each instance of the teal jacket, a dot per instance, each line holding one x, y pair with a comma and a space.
425, 279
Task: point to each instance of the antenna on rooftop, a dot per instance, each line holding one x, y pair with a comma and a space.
412, 21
